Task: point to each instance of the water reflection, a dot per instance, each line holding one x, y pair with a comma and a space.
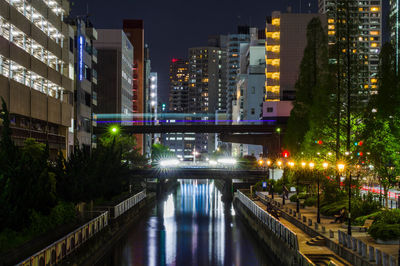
191, 226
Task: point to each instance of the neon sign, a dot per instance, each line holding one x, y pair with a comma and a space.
81, 46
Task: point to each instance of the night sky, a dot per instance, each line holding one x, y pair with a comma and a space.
172, 26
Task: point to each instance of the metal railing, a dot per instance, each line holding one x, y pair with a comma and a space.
280, 230
127, 204
58, 250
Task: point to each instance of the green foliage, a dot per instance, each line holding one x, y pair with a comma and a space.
247, 162
361, 220
360, 207
312, 105
386, 225
333, 208
159, 151
61, 214
311, 201
127, 146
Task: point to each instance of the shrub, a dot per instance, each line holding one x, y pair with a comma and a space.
333, 208
386, 225
311, 201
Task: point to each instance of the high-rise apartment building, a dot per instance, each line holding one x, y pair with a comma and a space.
286, 39
115, 76
85, 83
37, 70
207, 83
394, 22
367, 19
134, 30
178, 85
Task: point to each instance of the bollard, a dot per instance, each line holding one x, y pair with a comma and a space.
304, 219
299, 216
371, 252
363, 250
286, 209
309, 222
331, 234
359, 247
385, 259
316, 226
354, 243
378, 257
392, 261
340, 237
323, 230
290, 211
349, 241
294, 213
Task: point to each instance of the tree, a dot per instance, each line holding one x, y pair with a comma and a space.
159, 151
382, 130
312, 107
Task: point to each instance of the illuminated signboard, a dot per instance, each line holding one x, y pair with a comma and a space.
81, 47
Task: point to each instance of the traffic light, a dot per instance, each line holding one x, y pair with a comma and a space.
319, 142
285, 154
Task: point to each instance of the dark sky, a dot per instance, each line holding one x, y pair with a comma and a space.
172, 26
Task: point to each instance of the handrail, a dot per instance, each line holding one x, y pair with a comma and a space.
105, 214
279, 229
125, 205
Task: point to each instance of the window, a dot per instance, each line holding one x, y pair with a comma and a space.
253, 111
270, 109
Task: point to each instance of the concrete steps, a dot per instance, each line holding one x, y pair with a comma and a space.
326, 259
316, 241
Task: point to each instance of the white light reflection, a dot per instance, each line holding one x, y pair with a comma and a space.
170, 230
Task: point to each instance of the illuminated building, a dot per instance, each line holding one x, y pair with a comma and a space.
134, 30
178, 86
37, 70
207, 81
85, 85
115, 81
394, 19
285, 43
250, 91
151, 110
180, 143
367, 16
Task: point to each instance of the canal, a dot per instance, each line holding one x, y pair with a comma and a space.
189, 226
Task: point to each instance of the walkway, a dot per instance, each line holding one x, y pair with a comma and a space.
311, 213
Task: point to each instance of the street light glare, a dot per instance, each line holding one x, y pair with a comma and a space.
325, 165
340, 166
169, 163
303, 164
279, 163
311, 165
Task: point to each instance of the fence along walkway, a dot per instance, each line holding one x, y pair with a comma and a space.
280, 230
58, 250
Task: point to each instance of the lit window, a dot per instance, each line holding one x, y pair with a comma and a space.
374, 9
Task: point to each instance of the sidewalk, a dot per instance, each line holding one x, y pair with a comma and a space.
311, 213
302, 237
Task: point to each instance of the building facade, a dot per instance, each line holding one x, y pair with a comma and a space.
115, 77
85, 83
207, 81
134, 30
37, 70
367, 17
394, 20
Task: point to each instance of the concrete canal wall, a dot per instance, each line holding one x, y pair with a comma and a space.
280, 240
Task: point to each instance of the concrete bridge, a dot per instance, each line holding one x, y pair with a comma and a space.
202, 173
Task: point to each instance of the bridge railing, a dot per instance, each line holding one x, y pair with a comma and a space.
58, 250
279, 229
125, 205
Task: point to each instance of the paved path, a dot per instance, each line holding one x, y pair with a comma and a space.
311, 213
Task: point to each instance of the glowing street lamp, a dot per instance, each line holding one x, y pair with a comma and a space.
268, 162
341, 167
279, 163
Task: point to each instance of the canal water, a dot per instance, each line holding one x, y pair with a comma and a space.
189, 226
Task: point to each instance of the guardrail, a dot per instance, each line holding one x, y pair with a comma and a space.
58, 250
124, 206
280, 230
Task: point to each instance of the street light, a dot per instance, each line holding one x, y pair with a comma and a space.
341, 167
290, 164
325, 166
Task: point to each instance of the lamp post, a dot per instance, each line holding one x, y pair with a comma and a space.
311, 165
303, 165
325, 166
290, 164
